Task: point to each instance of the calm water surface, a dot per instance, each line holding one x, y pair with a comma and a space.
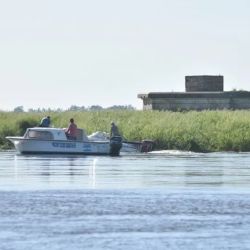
160, 200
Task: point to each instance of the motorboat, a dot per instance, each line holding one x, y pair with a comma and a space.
54, 140
143, 146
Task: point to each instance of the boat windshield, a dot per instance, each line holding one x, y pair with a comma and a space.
42, 135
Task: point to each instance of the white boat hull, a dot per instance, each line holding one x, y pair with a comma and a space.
64, 147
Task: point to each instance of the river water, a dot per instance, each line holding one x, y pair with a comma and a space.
159, 200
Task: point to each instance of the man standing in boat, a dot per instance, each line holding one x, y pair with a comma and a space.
45, 122
114, 130
71, 131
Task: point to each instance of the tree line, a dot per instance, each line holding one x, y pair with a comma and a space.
20, 109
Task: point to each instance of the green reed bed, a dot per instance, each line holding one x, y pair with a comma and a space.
196, 131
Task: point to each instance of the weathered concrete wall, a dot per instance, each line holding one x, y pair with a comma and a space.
196, 101
187, 104
203, 83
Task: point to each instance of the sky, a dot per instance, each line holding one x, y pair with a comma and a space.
58, 53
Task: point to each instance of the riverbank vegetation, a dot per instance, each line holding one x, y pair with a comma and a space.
204, 131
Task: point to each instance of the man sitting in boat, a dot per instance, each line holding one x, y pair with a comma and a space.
45, 122
114, 130
71, 131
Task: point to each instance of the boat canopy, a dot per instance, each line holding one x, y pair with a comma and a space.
45, 133
52, 134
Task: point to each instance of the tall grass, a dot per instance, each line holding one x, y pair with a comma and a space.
197, 131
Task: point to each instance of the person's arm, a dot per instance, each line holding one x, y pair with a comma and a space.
68, 129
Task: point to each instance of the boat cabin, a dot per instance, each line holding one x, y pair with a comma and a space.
40, 133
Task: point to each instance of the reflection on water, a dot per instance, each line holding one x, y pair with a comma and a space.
155, 170
161, 200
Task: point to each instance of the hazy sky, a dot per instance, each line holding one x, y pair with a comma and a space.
58, 53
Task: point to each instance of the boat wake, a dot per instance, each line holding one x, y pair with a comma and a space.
173, 152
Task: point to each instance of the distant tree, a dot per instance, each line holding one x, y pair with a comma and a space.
95, 108
59, 110
18, 109
73, 108
121, 107
239, 90
76, 108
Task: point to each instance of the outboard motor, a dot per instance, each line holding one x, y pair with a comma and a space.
115, 145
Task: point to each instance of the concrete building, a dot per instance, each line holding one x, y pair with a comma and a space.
202, 93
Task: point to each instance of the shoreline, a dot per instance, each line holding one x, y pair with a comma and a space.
201, 132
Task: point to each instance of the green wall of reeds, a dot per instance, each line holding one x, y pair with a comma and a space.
197, 131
